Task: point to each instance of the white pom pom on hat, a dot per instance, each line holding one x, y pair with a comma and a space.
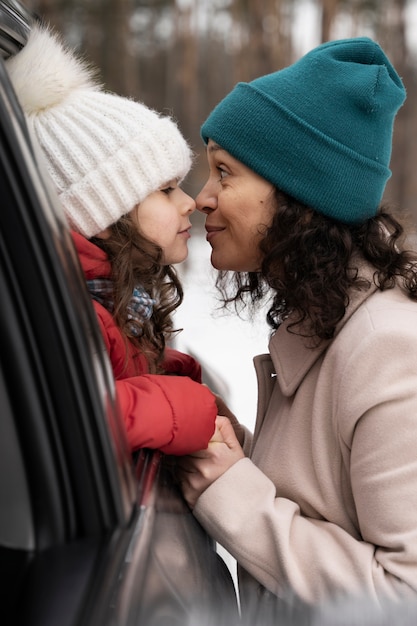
105, 153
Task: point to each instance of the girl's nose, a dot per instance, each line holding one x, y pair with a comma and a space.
188, 203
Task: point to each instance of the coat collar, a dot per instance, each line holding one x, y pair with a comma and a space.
94, 261
291, 355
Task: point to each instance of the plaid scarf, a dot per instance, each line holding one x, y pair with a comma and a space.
138, 310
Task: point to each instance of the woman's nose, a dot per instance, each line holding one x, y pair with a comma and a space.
206, 200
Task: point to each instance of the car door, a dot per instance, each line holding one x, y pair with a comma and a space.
86, 536
66, 479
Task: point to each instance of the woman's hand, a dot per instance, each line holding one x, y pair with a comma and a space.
224, 411
199, 470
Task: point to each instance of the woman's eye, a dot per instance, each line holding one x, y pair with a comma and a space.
167, 190
222, 173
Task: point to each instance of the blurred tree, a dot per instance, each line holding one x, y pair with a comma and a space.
390, 31
182, 74
329, 10
100, 29
264, 37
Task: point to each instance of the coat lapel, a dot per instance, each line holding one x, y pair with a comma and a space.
293, 356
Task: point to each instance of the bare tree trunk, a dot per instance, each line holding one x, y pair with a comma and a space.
265, 38
54, 13
390, 33
329, 10
113, 54
182, 76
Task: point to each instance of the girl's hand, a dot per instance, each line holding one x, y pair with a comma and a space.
199, 470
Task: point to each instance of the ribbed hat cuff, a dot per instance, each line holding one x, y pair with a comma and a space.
297, 158
101, 197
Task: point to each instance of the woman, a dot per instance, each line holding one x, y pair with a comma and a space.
321, 502
117, 167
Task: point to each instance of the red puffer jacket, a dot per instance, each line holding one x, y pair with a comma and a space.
172, 413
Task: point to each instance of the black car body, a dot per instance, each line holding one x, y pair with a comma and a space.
87, 536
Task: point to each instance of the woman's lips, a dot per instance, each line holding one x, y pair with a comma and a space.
212, 231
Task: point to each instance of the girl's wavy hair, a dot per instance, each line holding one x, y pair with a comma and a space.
136, 260
309, 267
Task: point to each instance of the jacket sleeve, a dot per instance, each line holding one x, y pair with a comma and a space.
181, 364
174, 413
171, 413
283, 547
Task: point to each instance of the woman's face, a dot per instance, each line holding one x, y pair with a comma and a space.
239, 207
163, 217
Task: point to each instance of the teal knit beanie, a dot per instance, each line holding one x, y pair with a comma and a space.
320, 129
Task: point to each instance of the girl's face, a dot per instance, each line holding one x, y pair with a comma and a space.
239, 207
163, 217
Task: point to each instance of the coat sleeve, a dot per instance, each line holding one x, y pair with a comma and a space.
173, 414
181, 364
282, 547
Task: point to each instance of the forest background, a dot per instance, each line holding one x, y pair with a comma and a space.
182, 57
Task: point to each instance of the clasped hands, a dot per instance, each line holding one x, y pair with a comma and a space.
199, 470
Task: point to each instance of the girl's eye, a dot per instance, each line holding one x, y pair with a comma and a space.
167, 190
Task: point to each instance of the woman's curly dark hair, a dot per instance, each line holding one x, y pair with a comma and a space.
310, 262
136, 260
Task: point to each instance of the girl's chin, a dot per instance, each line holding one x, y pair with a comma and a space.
176, 259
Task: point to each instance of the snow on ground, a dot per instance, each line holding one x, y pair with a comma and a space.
224, 344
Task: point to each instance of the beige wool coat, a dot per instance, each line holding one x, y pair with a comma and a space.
326, 502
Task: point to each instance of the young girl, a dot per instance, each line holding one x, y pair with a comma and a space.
117, 167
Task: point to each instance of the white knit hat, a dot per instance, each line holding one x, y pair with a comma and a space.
105, 153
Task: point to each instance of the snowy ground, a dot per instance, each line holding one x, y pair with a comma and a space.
224, 344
